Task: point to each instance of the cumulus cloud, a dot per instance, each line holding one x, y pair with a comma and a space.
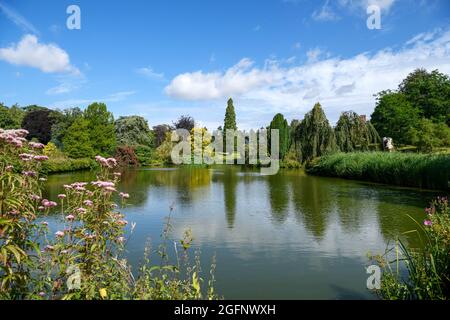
338, 83
30, 52
239, 79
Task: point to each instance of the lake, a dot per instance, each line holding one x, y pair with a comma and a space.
287, 236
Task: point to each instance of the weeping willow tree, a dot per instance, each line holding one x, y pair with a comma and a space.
315, 135
353, 133
374, 137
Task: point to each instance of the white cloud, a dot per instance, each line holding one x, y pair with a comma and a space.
325, 13
361, 5
150, 73
238, 79
339, 84
18, 19
29, 52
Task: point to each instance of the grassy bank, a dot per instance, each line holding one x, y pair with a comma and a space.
67, 164
402, 169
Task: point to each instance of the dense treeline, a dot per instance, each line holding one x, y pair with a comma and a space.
416, 115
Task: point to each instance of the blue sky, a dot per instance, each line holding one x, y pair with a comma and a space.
161, 59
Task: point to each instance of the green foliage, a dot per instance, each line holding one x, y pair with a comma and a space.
77, 141
133, 131
354, 133
102, 133
394, 117
428, 92
144, 155
58, 165
315, 135
421, 103
404, 169
281, 124
230, 116
428, 269
11, 118
62, 121
428, 136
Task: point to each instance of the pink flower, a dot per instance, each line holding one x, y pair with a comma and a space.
88, 203
29, 173
70, 217
122, 222
117, 174
14, 212
48, 204
124, 195
110, 189
35, 197
61, 196
40, 158
59, 234
26, 156
40, 208
427, 222
36, 145
81, 210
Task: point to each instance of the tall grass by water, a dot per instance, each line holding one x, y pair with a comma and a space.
429, 171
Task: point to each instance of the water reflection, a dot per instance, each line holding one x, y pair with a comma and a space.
274, 236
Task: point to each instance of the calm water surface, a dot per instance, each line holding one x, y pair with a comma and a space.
288, 236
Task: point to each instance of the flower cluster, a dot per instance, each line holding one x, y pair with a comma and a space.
106, 162
14, 137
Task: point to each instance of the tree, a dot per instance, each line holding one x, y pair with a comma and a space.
62, 121
230, 117
39, 123
315, 134
354, 133
280, 123
429, 92
159, 134
11, 118
6, 121
429, 135
133, 131
394, 116
229, 123
77, 141
101, 128
185, 122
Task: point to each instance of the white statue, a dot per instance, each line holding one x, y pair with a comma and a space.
388, 145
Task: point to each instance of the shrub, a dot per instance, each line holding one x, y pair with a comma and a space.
126, 156
404, 169
427, 270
